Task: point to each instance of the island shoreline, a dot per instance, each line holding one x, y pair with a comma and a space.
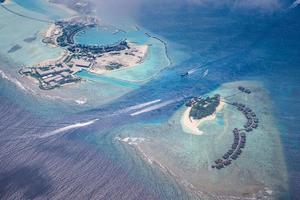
190, 125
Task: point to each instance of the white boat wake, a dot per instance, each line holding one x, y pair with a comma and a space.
142, 105
154, 107
67, 128
205, 73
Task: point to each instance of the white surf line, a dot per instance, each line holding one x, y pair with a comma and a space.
67, 128
17, 83
154, 107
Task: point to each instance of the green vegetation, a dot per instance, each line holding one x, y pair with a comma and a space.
204, 107
113, 66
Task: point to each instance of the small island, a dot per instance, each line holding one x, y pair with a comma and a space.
98, 59
200, 109
203, 107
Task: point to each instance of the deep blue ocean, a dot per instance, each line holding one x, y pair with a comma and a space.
238, 45
232, 44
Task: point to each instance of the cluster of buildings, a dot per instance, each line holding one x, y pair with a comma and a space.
65, 38
78, 56
245, 90
239, 135
68, 31
234, 152
252, 120
93, 51
53, 75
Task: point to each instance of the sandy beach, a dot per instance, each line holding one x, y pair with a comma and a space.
190, 125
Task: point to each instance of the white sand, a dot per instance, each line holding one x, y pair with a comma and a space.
128, 58
49, 31
190, 125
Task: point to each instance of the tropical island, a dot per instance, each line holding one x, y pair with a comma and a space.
97, 59
200, 109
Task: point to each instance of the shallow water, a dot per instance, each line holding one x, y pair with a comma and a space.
223, 41
99, 36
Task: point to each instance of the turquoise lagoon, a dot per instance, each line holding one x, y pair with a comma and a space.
117, 83
99, 36
259, 172
152, 149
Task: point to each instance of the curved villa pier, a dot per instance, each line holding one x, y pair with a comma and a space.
239, 135
203, 107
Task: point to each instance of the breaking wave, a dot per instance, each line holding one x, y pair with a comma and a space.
15, 81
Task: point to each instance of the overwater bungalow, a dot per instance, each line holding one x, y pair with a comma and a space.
218, 161
240, 108
241, 88
247, 91
230, 151
234, 156
227, 162
234, 146
241, 105
226, 155
219, 166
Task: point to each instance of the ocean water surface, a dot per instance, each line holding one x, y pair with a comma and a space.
133, 146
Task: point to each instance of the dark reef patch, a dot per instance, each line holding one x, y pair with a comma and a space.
30, 39
14, 48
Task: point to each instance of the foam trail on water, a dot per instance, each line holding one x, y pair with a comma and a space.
193, 70
67, 128
154, 107
205, 73
142, 105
